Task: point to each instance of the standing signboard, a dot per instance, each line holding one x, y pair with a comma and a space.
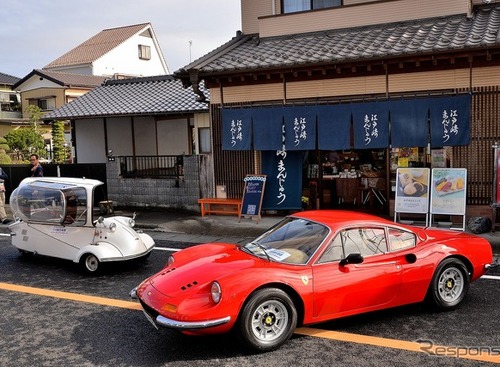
448, 192
252, 196
412, 191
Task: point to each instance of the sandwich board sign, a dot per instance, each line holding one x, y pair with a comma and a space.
253, 194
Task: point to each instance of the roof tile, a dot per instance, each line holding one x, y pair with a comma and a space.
247, 52
137, 96
7, 79
96, 46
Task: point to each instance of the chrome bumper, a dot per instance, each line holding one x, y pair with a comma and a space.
181, 325
190, 325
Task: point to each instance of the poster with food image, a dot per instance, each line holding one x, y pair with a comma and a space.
412, 190
448, 191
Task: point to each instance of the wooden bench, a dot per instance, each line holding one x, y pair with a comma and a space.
219, 206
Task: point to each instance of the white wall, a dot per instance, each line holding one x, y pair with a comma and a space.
119, 134
124, 59
173, 137
37, 82
145, 136
89, 135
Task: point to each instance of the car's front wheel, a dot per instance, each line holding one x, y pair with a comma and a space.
90, 263
450, 284
268, 320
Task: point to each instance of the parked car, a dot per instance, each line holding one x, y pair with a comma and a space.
55, 216
311, 267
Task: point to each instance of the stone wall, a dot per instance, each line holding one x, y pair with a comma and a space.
180, 193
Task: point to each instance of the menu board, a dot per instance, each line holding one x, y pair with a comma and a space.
252, 195
412, 190
448, 191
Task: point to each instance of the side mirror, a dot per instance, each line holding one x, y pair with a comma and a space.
100, 219
354, 258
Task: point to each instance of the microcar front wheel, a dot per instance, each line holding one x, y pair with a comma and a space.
268, 320
90, 263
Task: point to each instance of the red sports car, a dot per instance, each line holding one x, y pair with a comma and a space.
311, 267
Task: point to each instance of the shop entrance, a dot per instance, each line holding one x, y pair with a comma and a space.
357, 179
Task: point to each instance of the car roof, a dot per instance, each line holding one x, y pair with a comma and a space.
335, 218
74, 181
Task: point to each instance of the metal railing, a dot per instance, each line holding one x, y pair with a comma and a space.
161, 166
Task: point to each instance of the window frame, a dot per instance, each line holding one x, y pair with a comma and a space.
342, 234
201, 137
391, 244
310, 8
144, 52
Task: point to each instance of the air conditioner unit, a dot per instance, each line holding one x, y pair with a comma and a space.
5, 97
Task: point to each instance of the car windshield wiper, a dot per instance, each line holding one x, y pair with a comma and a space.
255, 243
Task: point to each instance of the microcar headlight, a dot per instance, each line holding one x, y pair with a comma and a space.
131, 222
170, 260
216, 292
112, 227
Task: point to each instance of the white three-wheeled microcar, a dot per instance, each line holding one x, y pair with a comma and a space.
54, 216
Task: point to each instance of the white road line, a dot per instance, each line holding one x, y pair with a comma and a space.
166, 249
494, 277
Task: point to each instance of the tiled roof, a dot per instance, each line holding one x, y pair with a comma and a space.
97, 46
157, 95
6, 79
418, 37
65, 79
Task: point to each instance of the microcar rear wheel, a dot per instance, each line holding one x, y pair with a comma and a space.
449, 285
90, 263
268, 320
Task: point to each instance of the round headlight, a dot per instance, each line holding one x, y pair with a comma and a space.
216, 292
112, 227
131, 222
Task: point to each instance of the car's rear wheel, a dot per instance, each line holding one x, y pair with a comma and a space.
450, 284
90, 263
268, 319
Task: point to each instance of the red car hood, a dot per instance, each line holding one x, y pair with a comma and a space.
198, 266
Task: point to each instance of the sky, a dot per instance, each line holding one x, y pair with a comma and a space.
36, 32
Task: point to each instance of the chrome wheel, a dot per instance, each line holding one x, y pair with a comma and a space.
451, 284
269, 320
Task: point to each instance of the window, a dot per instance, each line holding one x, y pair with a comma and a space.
45, 104
333, 252
204, 140
366, 241
144, 52
399, 239
42, 103
292, 6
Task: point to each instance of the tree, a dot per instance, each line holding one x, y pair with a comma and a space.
59, 148
28, 140
4, 148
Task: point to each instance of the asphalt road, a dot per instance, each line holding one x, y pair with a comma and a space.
54, 315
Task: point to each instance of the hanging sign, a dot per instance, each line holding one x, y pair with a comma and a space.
252, 196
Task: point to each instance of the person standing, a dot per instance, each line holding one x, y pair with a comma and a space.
36, 169
3, 214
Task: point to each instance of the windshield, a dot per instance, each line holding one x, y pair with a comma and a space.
292, 241
51, 203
